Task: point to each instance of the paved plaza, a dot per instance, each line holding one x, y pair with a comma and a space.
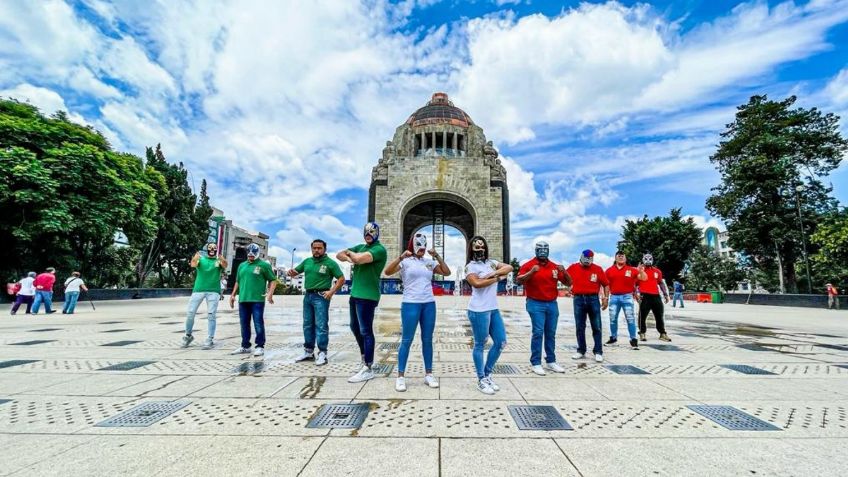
61, 376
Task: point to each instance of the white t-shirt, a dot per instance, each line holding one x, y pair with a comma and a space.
483, 299
417, 276
27, 288
72, 284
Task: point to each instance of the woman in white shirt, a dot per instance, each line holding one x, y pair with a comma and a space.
73, 285
26, 294
483, 275
418, 306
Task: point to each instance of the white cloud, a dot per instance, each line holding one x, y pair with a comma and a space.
837, 88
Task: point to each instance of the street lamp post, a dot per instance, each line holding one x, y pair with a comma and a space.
291, 279
798, 190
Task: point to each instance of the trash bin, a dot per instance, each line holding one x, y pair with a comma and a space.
716, 296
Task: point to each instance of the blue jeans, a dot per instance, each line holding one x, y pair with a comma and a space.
411, 315
362, 326
316, 312
256, 310
588, 306
483, 325
616, 304
42, 296
677, 296
70, 302
544, 316
194, 302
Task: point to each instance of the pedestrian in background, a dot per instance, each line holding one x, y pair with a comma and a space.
44, 291
73, 285
26, 293
832, 297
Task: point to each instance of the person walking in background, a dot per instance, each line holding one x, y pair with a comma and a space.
207, 286
73, 285
25, 294
540, 277
369, 260
832, 297
483, 274
418, 307
622, 281
319, 271
224, 277
678, 288
649, 293
252, 279
589, 281
44, 291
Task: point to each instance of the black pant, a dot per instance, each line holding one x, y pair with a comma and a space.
651, 303
361, 324
22, 299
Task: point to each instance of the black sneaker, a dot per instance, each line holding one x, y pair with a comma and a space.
611, 341
634, 344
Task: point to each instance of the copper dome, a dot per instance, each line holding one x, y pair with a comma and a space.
439, 110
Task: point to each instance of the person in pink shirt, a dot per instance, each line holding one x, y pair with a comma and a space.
44, 291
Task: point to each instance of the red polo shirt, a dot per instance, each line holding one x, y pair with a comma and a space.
622, 280
542, 285
651, 286
586, 280
44, 282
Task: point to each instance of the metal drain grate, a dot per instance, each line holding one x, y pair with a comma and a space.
543, 418
249, 368
732, 418
505, 369
126, 366
121, 343
118, 330
389, 346
33, 342
45, 329
110, 322
833, 346
4, 401
745, 369
625, 369
381, 368
344, 416
753, 347
841, 366
16, 362
664, 347
144, 414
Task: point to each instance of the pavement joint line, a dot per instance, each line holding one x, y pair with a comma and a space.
293, 379
567, 457
314, 453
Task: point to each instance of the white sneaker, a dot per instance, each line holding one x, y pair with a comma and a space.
241, 351
259, 351
538, 370
400, 384
429, 380
306, 356
599, 358
555, 367
208, 344
187, 339
322, 359
483, 387
578, 356
364, 374
492, 384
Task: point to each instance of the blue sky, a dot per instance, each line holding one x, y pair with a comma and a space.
601, 111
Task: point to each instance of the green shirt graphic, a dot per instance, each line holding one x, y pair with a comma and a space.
319, 273
208, 276
366, 277
253, 280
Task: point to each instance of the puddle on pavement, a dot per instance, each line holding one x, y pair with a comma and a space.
312, 387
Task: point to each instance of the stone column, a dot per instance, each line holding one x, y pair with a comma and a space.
444, 141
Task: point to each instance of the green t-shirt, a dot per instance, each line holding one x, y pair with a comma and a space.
319, 273
208, 276
366, 277
253, 280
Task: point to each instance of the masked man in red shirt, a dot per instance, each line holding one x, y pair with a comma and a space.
622, 279
649, 290
587, 280
540, 277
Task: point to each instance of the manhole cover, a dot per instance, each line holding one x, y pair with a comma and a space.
345, 416
745, 369
505, 369
16, 362
33, 342
250, 367
625, 369
110, 322
389, 346
121, 343
381, 368
144, 414
171, 323
544, 418
120, 330
4, 401
45, 329
732, 418
664, 347
126, 366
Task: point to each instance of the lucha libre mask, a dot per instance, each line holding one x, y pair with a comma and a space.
542, 250
253, 250
587, 257
419, 243
648, 259
372, 230
211, 250
478, 249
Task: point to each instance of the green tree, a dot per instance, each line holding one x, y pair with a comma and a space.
669, 239
771, 160
709, 271
831, 237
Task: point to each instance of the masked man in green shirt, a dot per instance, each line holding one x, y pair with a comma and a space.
206, 287
252, 288
369, 260
319, 271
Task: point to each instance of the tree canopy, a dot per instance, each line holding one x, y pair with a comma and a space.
669, 239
